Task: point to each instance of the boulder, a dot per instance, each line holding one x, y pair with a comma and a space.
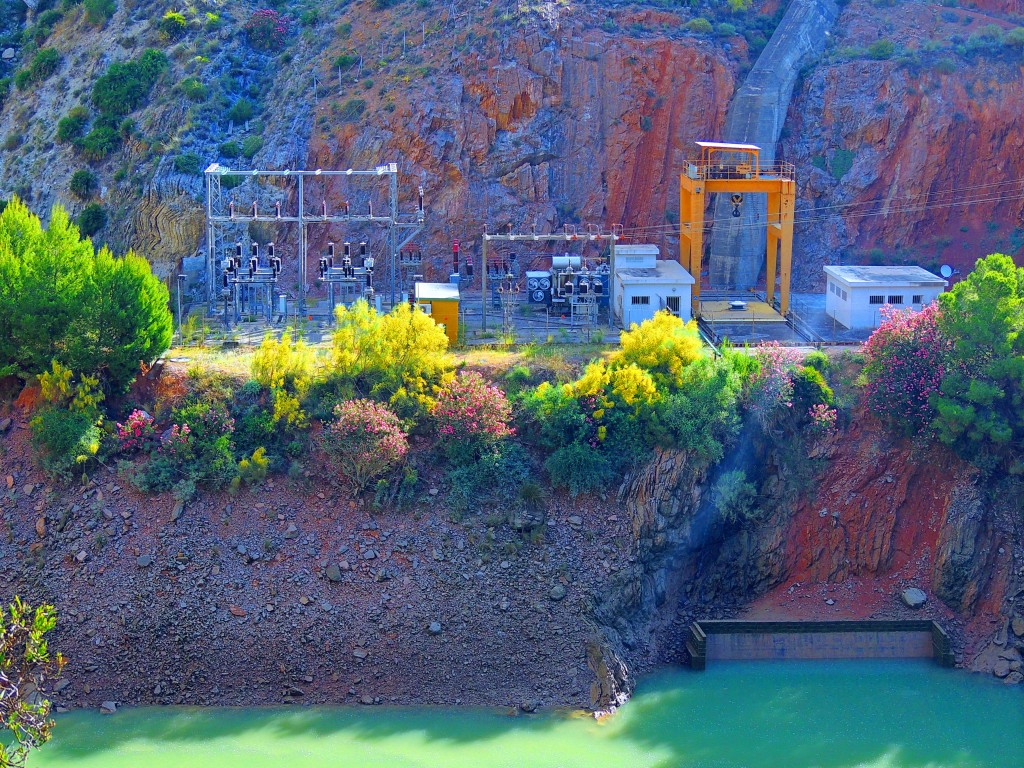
434, 628
557, 592
108, 707
179, 509
333, 573
913, 597
1001, 668
1017, 625
5, 424
145, 561
8, 54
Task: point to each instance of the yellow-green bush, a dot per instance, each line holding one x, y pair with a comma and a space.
285, 364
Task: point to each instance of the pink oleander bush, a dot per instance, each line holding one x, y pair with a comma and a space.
267, 29
823, 418
136, 432
771, 391
366, 440
906, 360
471, 415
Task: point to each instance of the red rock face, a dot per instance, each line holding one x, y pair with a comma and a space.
547, 127
914, 159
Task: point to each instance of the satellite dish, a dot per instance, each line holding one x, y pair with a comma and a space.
946, 271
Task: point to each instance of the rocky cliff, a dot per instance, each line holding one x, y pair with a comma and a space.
874, 517
546, 116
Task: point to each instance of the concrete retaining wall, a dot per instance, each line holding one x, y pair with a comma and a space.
780, 640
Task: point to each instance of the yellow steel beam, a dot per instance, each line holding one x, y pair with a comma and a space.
744, 185
788, 207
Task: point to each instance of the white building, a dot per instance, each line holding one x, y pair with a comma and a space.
855, 295
645, 284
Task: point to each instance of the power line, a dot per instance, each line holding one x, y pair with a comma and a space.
888, 209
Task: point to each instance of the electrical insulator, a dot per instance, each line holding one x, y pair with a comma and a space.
277, 205
253, 264
255, 250
325, 209
323, 268
330, 250
238, 250
469, 267
347, 249
362, 250
270, 250
231, 209
225, 279
255, 213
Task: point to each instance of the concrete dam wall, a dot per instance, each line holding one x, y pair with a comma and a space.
756, 116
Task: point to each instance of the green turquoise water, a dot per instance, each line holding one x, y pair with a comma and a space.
735, 715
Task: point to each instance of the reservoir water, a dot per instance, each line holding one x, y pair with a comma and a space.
735, 715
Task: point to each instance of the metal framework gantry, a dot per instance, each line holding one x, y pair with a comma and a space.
569, 235
220, 213
736, 168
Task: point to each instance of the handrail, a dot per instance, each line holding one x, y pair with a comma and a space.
704, 170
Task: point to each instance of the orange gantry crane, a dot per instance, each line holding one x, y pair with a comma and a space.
736, 169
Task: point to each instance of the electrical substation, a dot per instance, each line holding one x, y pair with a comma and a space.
299, 207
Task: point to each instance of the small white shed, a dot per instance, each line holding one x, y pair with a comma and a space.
855, 295
645, 284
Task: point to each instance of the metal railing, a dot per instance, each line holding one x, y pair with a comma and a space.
709, 171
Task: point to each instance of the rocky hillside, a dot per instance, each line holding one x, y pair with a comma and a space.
541, 114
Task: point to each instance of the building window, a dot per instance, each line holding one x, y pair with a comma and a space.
876, 299
844, 295
831, 287
896, 300
639, 301
917, 299
672, 302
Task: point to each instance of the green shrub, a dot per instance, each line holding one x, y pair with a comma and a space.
92, 219
189, 163
496, 476
43, 64
172, 25
580, 469
700, 25
65, 438
192, 88
83, 184
98, 11
100, 142
724, 29
230, 149
251, 146
345, 61
735, 499
126, 84
72, 126
5, 89
241, 111
881, 49
842, 162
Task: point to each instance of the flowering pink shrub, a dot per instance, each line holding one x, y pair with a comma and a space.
905, 364
772, 389
267, 29
823, 418
176, 444
136, 432
470, 415
366, 439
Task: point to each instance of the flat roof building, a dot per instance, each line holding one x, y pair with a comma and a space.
855, 295
645, 284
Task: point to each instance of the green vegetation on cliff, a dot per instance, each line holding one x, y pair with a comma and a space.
955, 372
